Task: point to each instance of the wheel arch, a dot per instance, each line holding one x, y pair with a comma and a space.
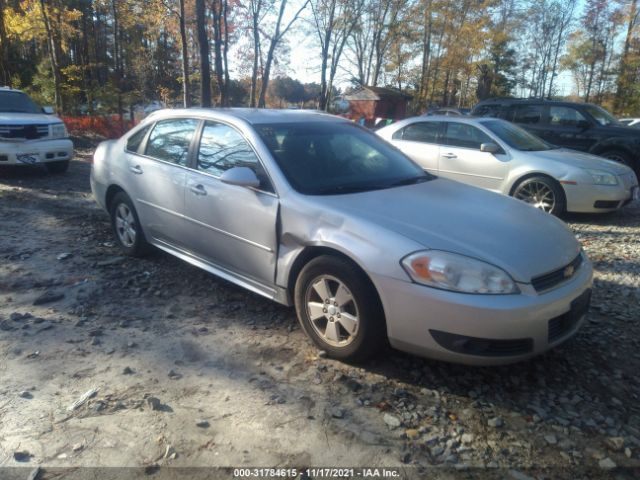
310, 252
528, 175
110, 193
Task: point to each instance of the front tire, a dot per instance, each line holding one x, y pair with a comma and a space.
544, 193
60, 166
339, 309
126, 226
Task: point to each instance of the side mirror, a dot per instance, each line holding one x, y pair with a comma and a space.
489, 148
240, 176
48, 110
583, 124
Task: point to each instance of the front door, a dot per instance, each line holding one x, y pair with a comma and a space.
461, 158
569, 128
232, 227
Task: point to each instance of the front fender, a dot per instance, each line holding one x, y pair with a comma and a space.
630, 146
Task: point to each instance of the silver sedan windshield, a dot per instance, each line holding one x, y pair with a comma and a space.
517, 137
321, 158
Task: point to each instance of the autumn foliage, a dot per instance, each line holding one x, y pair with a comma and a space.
106, 126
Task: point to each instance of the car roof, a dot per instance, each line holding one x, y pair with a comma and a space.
531, 101
9, 89
254, 116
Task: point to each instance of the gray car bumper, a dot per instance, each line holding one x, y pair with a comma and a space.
435, 323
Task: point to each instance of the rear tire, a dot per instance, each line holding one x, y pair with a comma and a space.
542, 192
60, 166
339, 309
126, 226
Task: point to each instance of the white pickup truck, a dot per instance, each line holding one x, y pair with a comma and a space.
31, 135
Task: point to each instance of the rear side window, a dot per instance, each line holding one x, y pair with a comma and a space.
465, 136
134, 141
170, 140
426, 132
487, 111
527, 114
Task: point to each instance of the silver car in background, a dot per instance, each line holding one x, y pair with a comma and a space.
502, 157
314, 211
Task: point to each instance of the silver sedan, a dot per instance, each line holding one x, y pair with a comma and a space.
314, 211
502, 157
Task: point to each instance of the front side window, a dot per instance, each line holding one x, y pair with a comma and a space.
528, 114
425, 132
601, 116
170, 140
325, 158
565, 117
222, 147
466, 136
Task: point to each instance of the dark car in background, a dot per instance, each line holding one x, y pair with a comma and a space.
579, 126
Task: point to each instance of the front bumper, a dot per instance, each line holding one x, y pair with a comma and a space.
599, 198
33, 152
417, 316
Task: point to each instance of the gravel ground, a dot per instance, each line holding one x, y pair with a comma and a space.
193, 371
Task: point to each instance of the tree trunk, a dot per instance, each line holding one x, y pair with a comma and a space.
256, 7
426, 53
55, 66
325, 41
5, 71
205, 67
623, 80
269, 60
186, 88
117, 61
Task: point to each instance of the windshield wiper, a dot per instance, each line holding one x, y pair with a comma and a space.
338, 189
412, 180
13, 110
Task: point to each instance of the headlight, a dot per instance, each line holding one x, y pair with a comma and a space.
450, 271
58, 130
602, 177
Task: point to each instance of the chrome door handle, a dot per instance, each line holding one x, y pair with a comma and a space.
198, 189
137, 170
449, 155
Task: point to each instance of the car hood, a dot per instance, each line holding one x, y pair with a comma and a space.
12, 118
622, 131
580, 159
447, 215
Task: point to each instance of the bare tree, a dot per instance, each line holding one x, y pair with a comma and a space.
180, 15
5, 73
275, 39
334, 22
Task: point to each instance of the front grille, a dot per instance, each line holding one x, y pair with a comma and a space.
563, 324
24, 132
552, 279
483, 347
4, 158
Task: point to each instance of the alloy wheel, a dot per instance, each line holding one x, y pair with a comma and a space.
538, 195
125, 225
332, 310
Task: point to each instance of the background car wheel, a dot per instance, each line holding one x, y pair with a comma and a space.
57, 167
543, 193
126, 226
339, 309
624, 158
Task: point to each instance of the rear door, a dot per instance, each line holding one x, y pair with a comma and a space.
230, 226
462, 160
157, 176
419, 141
531, 117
